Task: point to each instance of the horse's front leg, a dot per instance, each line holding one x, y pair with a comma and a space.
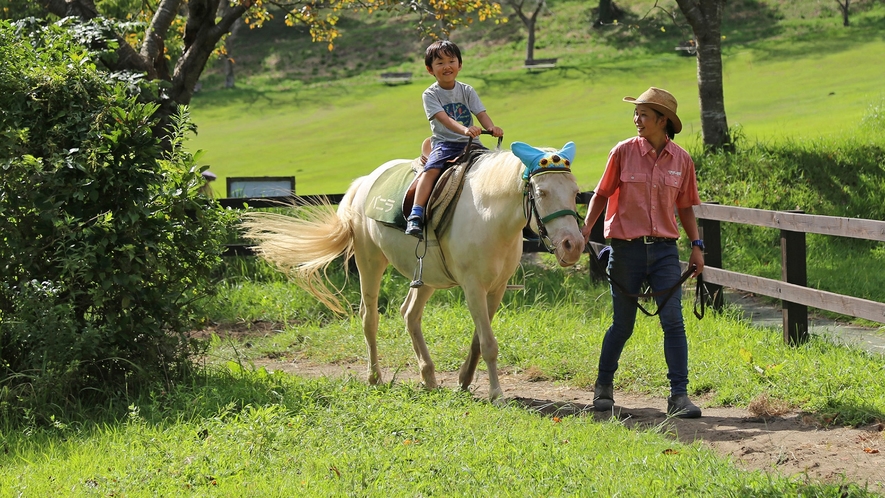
482, 308
412, 311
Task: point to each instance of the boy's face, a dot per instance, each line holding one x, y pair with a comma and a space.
445, 70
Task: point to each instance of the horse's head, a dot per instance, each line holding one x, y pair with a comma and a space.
551, 193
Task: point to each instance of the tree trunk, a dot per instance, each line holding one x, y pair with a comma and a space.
607, 13
705, 18
529, 22
843, 6
228, 62
530, 42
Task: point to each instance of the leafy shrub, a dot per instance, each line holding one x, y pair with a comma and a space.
106, 241
835, 177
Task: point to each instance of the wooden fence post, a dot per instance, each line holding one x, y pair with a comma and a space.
794, 271
711, 233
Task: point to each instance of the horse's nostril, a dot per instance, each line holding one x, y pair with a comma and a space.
568, 245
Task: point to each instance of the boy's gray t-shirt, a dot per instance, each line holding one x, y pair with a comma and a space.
460, 103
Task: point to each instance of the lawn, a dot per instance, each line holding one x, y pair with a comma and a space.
328, 133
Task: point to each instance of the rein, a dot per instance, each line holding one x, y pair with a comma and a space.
701, 295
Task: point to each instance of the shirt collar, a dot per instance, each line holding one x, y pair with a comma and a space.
646, 147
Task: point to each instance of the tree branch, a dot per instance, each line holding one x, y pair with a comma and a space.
153, 49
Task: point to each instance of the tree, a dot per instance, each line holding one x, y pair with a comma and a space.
705, 18
843, 6
529, 22
227, 55
607, 13
107, 242
204, 29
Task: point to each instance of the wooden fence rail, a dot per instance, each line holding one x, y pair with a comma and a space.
792, 289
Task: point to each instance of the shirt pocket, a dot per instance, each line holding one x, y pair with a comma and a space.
633, 177
670, 178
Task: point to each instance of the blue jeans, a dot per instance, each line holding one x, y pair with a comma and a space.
630, 264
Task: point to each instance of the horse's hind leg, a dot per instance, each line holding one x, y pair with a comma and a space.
412, 310
468, 368
371, 270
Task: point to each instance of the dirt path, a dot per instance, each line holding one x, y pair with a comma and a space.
792, 444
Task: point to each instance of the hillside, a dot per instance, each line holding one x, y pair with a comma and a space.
790, 71
380, 42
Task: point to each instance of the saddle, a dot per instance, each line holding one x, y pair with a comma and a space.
393, 193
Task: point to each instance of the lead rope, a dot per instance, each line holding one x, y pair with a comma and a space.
700, 288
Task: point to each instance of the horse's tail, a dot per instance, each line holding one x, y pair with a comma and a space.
303, 245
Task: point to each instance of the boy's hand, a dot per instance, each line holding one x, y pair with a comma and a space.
473, 131
496, 132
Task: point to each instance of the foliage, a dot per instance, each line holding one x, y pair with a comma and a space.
106, 242
834, 177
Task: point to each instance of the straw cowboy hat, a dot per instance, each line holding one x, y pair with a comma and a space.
661, 101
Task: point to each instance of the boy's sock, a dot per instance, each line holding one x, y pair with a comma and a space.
417, 212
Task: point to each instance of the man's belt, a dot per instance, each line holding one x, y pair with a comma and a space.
648, 239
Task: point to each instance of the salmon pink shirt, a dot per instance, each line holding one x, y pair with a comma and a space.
644, 190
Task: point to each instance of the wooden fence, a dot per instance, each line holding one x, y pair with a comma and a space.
791, 289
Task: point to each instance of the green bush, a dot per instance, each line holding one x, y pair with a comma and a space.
106, 241
835, 177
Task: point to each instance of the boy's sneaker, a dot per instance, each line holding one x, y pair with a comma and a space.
415, 227
603, 397
682, 407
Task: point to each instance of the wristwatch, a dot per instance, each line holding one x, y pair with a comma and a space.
698, 243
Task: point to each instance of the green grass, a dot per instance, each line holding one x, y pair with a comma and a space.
249, 433
237, 431
556, 327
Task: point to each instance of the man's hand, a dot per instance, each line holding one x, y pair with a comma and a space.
696, 259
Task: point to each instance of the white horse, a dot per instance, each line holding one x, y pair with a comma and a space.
479, 249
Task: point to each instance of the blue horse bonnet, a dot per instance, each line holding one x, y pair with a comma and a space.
540, 161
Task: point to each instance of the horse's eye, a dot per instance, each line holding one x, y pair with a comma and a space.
544, 162
555, 158
567, 163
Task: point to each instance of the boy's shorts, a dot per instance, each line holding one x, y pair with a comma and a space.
444, 152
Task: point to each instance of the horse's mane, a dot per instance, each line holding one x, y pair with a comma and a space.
497, 172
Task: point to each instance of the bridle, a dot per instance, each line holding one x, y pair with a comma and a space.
530, 207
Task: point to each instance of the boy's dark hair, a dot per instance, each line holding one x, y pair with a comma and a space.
438, 49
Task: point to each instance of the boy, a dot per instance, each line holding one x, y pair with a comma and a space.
448, 105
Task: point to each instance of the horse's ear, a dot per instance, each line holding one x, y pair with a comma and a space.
526, 153
568, 151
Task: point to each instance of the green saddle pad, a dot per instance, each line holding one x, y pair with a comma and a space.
385, 200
